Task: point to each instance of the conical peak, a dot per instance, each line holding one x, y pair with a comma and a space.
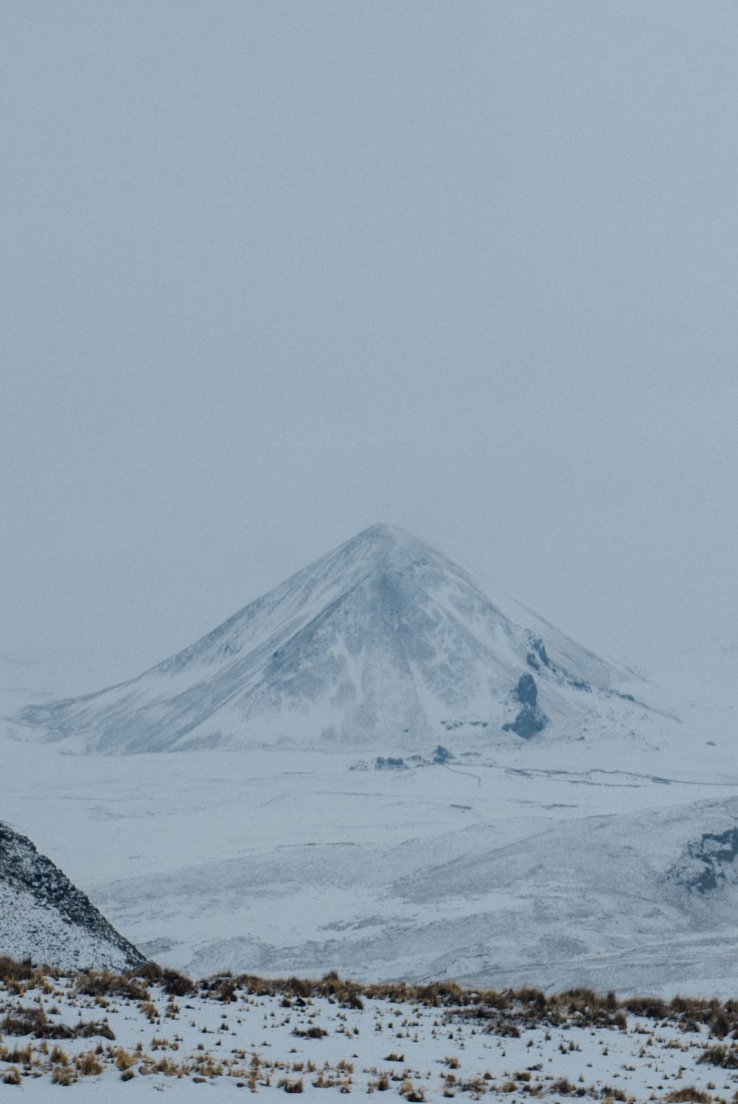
382, 635
390, 538
389, 545
386, 534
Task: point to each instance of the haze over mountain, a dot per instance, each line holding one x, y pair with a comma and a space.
381, 643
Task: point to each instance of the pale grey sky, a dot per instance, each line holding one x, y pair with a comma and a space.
272, 272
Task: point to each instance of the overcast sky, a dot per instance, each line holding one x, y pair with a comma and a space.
272, 272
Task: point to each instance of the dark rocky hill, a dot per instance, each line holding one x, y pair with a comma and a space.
43, 916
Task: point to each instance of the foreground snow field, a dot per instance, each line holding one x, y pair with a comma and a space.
121, 1038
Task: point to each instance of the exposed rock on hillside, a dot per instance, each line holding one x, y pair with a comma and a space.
44, 917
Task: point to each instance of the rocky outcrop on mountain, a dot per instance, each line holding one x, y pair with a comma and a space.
709, 861
44, 917
530, 719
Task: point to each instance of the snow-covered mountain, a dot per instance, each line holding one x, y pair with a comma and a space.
381, 643
47, 919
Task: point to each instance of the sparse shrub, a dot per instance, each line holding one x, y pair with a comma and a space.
27, 1021
528, 995
33, 1021
123, 1059
149, 1011
563, 1087
727, 1057
689, 1095
290, 1086
653, 1008
88, 1064
21, 1055
12, 970
63, 1075
167, 1066
12, 1076
720, 1025
101, 983
310, 1032
505, 1029
609, 1092
90, 1029
172, 982
410, 1092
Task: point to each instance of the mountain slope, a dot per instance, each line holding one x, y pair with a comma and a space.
47, 919
383, 642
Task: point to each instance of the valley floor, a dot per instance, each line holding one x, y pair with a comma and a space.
554, 864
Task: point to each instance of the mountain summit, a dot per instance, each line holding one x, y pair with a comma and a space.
381, 643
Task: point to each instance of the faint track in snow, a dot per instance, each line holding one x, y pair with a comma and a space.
464, 774
588, 777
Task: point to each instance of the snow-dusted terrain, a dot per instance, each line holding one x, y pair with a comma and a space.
381, 642
493, 872
600, 850
553, 863
46, 918
123, 1039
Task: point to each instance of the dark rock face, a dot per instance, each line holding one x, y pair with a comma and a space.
22, 867
528, 723
709, 860
538, 658
527, 691
530, 720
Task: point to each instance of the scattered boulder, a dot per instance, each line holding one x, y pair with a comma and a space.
442, 755
389, 763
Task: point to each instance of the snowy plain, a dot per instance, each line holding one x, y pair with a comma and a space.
336, 778
549, 863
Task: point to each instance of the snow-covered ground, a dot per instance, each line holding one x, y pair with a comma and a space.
235, 1039
395, 822
546, 862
